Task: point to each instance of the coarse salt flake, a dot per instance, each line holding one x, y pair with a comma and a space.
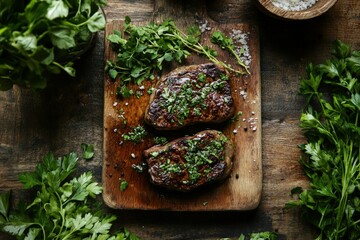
294, 5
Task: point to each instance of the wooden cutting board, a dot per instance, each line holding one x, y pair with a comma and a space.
241, 191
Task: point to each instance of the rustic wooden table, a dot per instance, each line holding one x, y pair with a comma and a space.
70, 112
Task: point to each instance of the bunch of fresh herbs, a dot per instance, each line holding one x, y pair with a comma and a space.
42, 37
330, 123
143, 50
63, 208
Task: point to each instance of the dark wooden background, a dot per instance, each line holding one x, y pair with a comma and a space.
70, 112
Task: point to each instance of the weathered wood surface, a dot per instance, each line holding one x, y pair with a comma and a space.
71, 112
241, 191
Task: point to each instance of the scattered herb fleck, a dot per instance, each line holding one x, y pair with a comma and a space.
150, 90
124, 92
123, 184
136, 135
160, 140
88, 151
236, 117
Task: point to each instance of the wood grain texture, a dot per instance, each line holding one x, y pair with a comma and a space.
71, 112
241, 191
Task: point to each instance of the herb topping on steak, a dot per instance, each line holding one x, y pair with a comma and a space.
188, 95
190, 162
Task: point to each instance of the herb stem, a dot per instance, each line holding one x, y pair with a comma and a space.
198, 48
62, 214
240, 62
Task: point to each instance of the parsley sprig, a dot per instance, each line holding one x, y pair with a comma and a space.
143, 50
62, 208
331, 124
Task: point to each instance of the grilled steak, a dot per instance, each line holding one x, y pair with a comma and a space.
188, 95
190, 162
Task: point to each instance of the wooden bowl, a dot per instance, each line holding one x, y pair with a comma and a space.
320, 7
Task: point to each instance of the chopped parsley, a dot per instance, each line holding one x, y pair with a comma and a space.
199, 155
136, 135
160, 140
123, 185
189, 99
124, 92
150, 90
236, 117
202, 77
169, 167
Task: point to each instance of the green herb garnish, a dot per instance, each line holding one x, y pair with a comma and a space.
136, 135
124, 92
236, 117
189, 100
160, 140
63, 208
330, 123
199, 155
142, 50
123, 185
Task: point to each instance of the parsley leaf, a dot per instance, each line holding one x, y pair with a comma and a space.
88, 151
63, 208
330, 123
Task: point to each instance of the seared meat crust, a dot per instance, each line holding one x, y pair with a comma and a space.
190, 162
189, 95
